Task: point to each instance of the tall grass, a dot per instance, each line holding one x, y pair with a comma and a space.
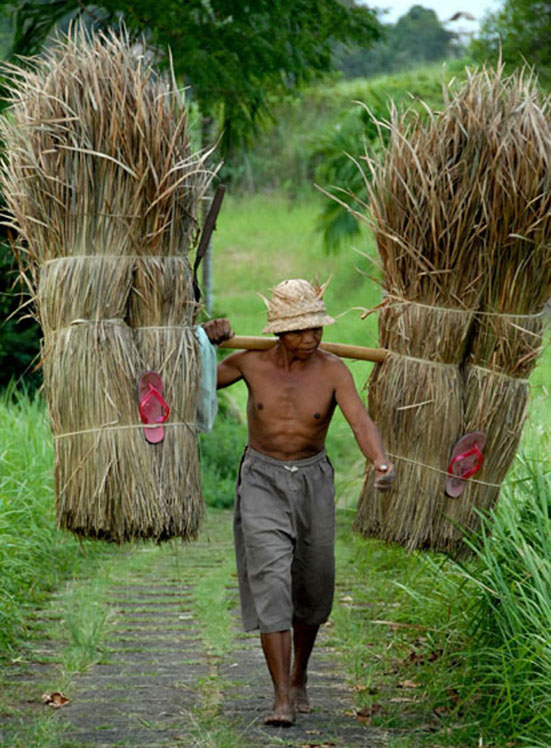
34, 554
510, 609
491, 615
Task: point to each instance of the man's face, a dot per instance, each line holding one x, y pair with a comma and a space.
302, 343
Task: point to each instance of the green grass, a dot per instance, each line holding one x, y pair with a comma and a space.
34, 556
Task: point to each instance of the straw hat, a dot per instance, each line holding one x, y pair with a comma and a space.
296, 305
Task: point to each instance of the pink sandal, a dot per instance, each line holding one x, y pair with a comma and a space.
153, 407
466, 460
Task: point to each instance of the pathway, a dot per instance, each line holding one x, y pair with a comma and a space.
157, 686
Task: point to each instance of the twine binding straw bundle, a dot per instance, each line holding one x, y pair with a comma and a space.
461, 209
102, 188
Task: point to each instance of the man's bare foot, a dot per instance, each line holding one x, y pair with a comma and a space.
300, 700
282, 715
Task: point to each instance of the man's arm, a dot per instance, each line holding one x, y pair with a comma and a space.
366, 433
229, 370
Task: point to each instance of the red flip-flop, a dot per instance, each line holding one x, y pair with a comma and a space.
152, 405
466, 460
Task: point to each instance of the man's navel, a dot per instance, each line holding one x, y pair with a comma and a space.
260, 406
317, 416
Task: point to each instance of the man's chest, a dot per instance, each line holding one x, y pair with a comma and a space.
303, 395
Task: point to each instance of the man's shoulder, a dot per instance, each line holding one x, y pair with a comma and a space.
331, 360
248, 358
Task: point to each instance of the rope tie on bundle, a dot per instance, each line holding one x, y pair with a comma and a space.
502, 374
417, 360
439, 470
116, 427
399, 300
113, 257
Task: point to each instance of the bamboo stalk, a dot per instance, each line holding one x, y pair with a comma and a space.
251, 343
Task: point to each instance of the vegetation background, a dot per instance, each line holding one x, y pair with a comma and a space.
483, 658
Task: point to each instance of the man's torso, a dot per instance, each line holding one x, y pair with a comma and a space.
289, 410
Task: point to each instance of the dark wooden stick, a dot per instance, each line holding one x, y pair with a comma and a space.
208, 227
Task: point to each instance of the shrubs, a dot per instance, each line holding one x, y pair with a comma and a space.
220, 453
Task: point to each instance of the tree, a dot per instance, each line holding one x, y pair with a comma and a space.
233, 54
416, 38
520, 31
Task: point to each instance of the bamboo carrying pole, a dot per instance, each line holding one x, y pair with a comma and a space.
251, 343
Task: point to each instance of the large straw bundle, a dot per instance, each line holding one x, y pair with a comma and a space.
461, 208
103, 189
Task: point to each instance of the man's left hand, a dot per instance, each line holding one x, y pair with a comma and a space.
384, 478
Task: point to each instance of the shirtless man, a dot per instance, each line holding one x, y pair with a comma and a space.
284, 514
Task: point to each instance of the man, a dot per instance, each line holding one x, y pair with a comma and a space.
284, 521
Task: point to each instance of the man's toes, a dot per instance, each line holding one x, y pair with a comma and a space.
277, 719
300, 699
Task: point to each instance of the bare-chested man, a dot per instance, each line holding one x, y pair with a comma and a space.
284, 514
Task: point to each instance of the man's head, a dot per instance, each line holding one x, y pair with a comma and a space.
296, 305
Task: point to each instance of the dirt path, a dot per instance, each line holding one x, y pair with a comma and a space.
157, 685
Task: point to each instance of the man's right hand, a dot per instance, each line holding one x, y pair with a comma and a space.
218, 330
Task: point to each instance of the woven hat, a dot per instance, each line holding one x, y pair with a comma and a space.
296, 305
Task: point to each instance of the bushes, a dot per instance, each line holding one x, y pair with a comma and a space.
221, 452
314, 138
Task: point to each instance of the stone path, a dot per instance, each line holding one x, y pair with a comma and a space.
156, 685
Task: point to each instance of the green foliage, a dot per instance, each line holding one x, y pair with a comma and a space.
417, 38
19, 333
354, 134
510, 612
233, 55
520, 31
324, 125
323, 138
221, 452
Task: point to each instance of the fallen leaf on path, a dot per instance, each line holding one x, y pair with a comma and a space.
365, 714
359, 687
312, 732
402, 700
408, 684
55, 699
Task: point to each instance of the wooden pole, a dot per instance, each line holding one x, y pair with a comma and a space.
248, 343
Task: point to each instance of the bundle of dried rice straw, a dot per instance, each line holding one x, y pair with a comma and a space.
102, 188
461, 209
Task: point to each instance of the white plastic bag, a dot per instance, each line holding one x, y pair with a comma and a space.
207, 403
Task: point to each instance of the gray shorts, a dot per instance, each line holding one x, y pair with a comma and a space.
284, 529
